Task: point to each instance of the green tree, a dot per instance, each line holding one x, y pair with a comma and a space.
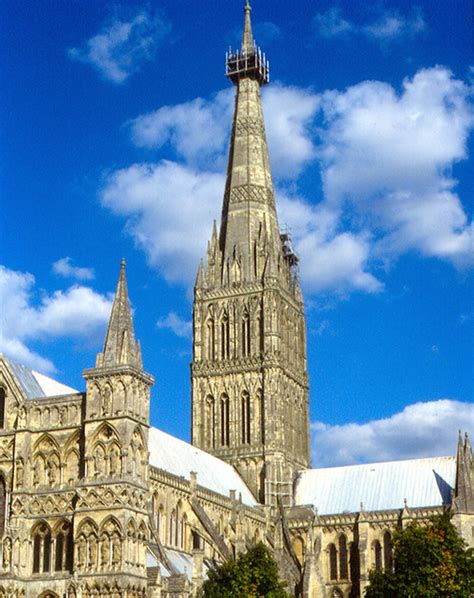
253, 575
430, 562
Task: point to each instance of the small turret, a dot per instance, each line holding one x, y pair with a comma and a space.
464, 492
120, 347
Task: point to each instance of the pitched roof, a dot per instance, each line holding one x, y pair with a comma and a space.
36, 385
180, 458
378, 486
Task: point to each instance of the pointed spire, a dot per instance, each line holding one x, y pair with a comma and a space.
200, 278
464, 491
120, 347
248, 46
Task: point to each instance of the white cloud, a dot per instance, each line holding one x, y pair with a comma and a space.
64, 268
387, 184
420, 430
78, 312
176, 324
169, 209
390, 156
197, 130
122, 45
388, 26
332, 24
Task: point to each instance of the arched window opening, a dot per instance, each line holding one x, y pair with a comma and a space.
246, 334
172, 527
332, 562
225, 340
246, 418
42, 549
2, 408
343, 564
64, 548
377, 555
261, 403
210, 434
176, 527
354, 562
198, 542
160, 523
225, 423
211, 339
387, 551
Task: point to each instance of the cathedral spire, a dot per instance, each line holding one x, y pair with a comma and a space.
120, 347
249, 200
248, 46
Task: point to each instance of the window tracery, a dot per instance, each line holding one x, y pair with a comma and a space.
41, 548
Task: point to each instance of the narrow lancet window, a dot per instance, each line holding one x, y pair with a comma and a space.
225, 423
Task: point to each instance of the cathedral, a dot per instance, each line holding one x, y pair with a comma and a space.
94, 502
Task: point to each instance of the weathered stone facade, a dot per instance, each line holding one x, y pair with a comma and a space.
89, 506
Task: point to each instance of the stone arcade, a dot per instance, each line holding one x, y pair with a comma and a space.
95, 502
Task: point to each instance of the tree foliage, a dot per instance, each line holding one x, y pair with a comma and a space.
254, 574
429, 562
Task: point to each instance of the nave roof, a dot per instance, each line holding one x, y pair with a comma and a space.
181, 458
377, 486
36, 385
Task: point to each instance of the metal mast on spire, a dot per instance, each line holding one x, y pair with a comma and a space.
249, 61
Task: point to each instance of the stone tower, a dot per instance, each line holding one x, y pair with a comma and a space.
111, 518
249, 379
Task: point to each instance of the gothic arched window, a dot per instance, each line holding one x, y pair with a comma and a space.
343, 565
246, 334
2, 408
377, 548
332, 562
245, 418
387, 551
225, 340
64, 548
211, 339
210, 423
41, 548
225, 420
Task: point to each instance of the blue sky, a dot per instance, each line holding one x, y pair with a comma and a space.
115, 125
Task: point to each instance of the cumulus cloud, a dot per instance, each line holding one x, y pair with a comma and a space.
64, 268
388, 26
390, 156
78, 312
420, 430
169, 209
122, 45
385, 158
176, 324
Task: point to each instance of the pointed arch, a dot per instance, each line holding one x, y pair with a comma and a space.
63, 544
387, 551
225, 420
225, 335
41, 536
343, 560
332, 556
245, 417
377, 555
245, 333
210, 422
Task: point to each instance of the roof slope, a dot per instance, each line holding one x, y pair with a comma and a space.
180, 458
378, 486
36, 385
